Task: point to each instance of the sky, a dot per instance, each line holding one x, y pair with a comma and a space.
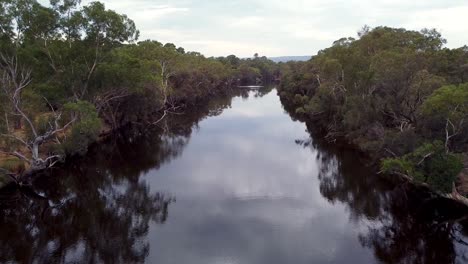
284, 27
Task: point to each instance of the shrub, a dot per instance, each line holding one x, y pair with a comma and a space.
85, 131
429, 164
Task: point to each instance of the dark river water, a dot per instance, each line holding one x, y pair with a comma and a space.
236, 181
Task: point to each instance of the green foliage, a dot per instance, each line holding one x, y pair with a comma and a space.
402, 142
300, 111
427, 164
382, 92
398, 165
448, 102
446, 114
107, 24
86, 129
301, 99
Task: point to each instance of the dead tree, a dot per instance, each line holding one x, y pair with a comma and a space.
453, 129
14, 79
166, 74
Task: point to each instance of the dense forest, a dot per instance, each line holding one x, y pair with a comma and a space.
400, 96
71, 73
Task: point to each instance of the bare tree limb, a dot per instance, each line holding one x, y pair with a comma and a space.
425, 157
17, 155
17, 139
13, 80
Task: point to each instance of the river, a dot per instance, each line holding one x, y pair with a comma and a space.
237, 181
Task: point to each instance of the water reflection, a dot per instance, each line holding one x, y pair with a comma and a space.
81, 222
403, 224
97, 209
251, 187
247, 194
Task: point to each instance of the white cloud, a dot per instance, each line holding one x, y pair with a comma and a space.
160, 11
247, 22
450, 21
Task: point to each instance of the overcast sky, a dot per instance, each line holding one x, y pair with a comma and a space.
284, 27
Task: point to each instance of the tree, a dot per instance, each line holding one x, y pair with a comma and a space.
103, 29
71, 18
382, 92
234, 61
181, 50
449, 105
162, 63
6, 25
429, 164
15, 79
42, 128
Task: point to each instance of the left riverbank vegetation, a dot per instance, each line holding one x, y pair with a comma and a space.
70, 73
398, 95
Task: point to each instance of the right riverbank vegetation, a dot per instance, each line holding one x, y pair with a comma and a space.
71, 73
400, 96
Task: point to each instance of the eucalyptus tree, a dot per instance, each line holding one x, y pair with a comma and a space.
15, 79
449, 107
383, 93
103, 30
81, 120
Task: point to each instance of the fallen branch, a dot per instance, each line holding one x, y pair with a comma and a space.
167, 112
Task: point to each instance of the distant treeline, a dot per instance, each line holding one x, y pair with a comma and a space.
70, 72
398, 95
290, 58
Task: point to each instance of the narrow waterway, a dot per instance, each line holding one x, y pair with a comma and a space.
236, 182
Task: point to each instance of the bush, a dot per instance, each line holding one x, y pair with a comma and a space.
429, 164
85, 131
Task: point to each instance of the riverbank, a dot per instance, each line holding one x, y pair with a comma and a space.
319, 125
19, 170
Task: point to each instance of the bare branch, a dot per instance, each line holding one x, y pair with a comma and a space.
425, 157
14, 80
17, 139
160, 119
17, 155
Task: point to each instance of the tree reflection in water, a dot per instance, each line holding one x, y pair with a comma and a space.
83, 218
402, 224
97, 209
